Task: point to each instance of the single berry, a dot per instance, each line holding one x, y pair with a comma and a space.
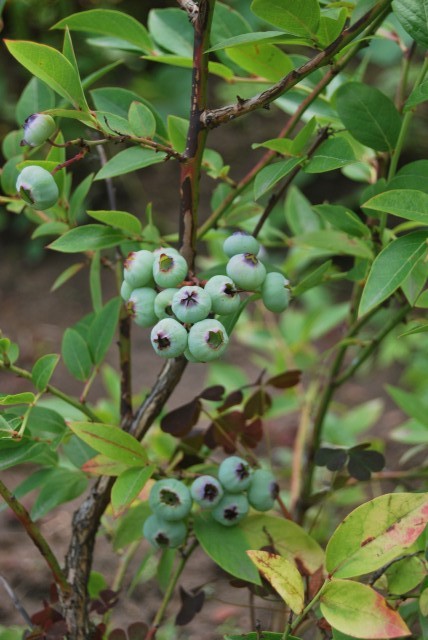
169, 268
37, 187
231, 509
162, 534
168, 250
125, 291
275, 292
246, 271
141, 306
240, 242
163, 303
263, 490
170, 499
37, 129
224, 295
189, 356
138, 268
169, 338
191, 304
234, 474
207, 340
206, 491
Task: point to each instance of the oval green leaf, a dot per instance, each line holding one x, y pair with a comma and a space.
267, 178
119, 220
413, 15
76, 356
298, 18
43, 370
111, 441
127, 487
129, 160
142, 120
102, 330
410, 204
87, 238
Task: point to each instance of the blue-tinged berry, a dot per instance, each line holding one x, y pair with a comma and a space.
37, 129
170, 499
163, 303
207, 340
141, 306
162, 534
169, 338
206, 491
246, 271
191, 304
275, 292
224, 295
263, 490
240, 242
125, 291
231, 509
138, 268
169, 268
234, 474
37, 187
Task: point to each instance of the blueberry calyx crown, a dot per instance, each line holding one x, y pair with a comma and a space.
166, 262
162, 341
210, 492
231, 513
169, 497
242, 471
215, 339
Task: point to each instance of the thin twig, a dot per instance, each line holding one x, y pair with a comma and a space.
16, 601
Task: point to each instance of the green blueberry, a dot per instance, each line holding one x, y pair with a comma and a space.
246, 271
263, 490
231, 509
206, 491
170, 499
138, 268
275, 292
37, 129
207, 340
37, 187
125, 291
189, 356
162, 534
141, 306
163, 303
240, 242
234, 474
169, 268
169, 338
224, 295
191, 304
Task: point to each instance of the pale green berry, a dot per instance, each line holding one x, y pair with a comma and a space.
206, 491
189, 356
163, 303
240, 242
37, 187
141, 306
37, 129
162, 534
170, 499
231, 509
169, 268
246, 271
224, 295
138, 268
207, 340
275, 292
169, 338
125, 291
263, 490
234, 474
191, 304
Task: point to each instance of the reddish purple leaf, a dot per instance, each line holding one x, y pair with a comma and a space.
137, 631
232, 400
253, 433
191, 604
117, 634
257, 404
180, 421
285, 380
214, 393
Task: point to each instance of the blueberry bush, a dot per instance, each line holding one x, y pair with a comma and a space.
307, 255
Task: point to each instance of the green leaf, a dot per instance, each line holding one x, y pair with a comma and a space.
111, 123
410, 404
391, 267
406, 574
95, 285
77, 199
267, 178
299, 214
404, 203
299, 18
264, 60
332, 154
76, 356
142, 120
110, 23
171, 29
43, 369
102, 330
127, 487
101, 465
25, 397
111, 441
313, 279
335, 242
60, 485
87, 238
177, 132
52, 67
127, 222
369, 115
66, 275
330, 28
413, 15
36, 97
375, 533
284, 577
413, 175
257, 37
343, 219
215, 68
129, 160
418, 95
351, 607
49, 229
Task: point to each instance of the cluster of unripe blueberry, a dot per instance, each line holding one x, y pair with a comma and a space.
182, 314
228, 499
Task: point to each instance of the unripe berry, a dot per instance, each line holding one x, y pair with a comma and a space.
138, 268
224, 296
37, 187
170, 499
275, 292
246, 271
169, 338
240, 242
163, 302
37, 129
231, 509
162, 534
263, 490
169, 268
234, 474
125, 291
207, 340
141, 306
191, 304
206, 491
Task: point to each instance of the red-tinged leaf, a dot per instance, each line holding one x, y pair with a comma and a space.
224, 431
283, 575
214, 393
257, 404
232, 400
127, 487
191, 604
101, 465
111, 441
180, 421
285, 380
253, 433
357, 609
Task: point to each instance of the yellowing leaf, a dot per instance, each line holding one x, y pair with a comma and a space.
283, 575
